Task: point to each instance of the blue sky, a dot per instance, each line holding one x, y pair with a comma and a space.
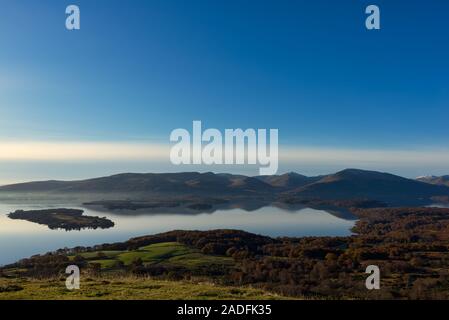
138, 69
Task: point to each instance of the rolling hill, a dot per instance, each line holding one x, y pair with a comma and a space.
150, 183
288, 181
372, 185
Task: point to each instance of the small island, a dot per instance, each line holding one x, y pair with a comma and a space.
67, 219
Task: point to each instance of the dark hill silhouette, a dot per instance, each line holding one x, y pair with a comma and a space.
362, 184
288, 181
176, 183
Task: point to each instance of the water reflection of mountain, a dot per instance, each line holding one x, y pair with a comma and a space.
248, 205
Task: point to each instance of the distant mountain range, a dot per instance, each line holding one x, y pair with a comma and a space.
442, 181
348, 184
151, 183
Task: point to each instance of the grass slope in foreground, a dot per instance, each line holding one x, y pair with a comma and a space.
125, 288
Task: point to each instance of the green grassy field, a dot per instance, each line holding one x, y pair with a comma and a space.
124, 288
167, 253
115, 283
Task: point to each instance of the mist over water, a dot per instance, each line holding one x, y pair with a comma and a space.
20, 239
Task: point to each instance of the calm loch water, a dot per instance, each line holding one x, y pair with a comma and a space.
20, 239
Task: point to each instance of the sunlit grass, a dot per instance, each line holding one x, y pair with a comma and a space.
125, 288
165, 253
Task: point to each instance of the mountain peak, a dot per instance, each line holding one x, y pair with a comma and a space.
289, 180
442, 180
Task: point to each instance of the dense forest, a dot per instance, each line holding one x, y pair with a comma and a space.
410, 246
